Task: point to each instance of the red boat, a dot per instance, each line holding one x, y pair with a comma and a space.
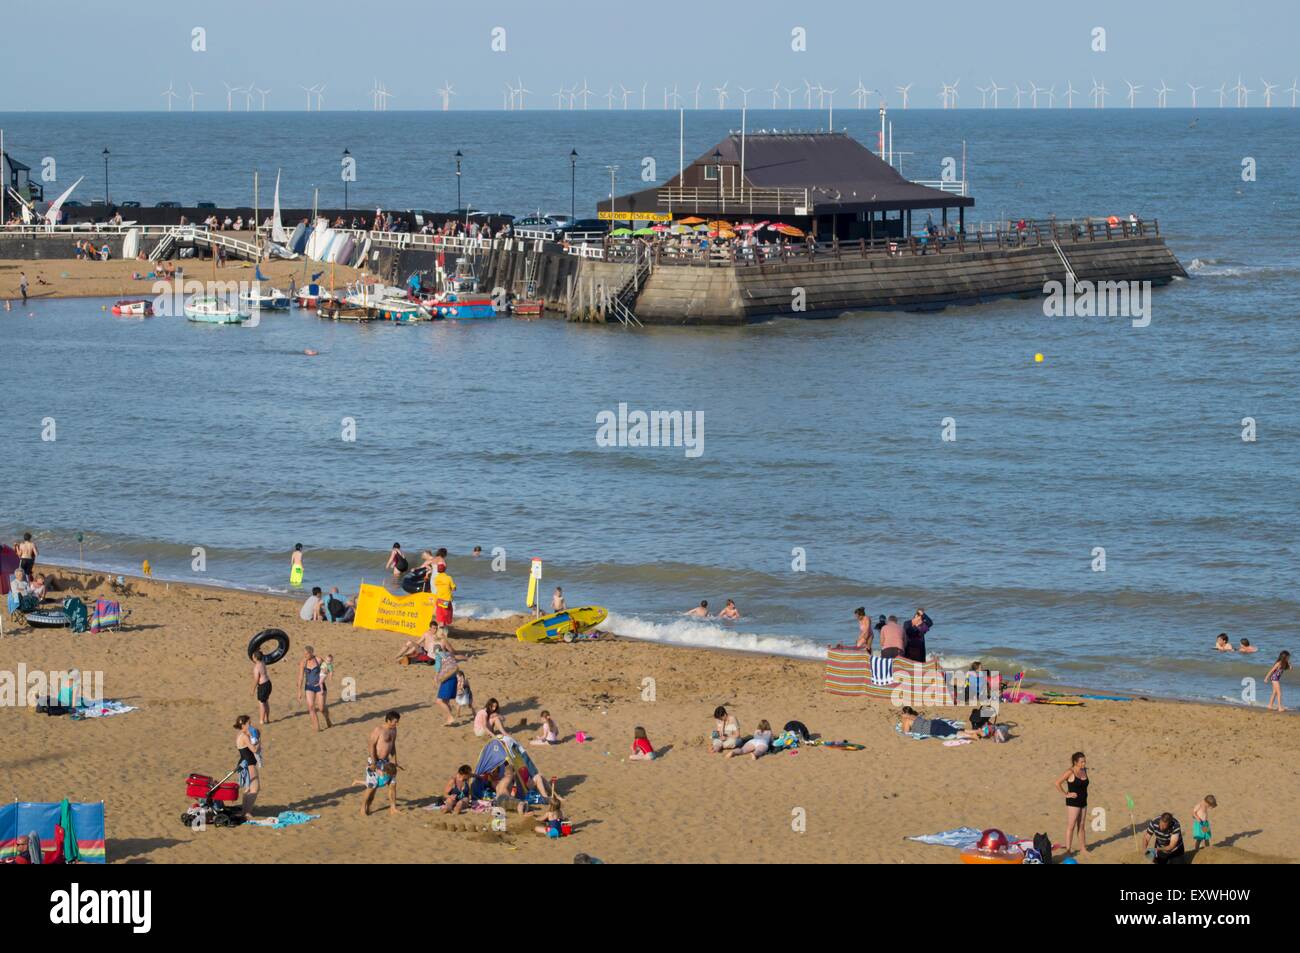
138, 308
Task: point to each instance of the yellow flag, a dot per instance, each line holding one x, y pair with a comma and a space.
377, 608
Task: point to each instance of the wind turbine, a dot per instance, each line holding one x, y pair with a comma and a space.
830, 104
559, 97
263, 93
697, 95
522, 92
677, 99
807, 94
384, 97
1268, 92
320, 95
1034, 90
1162, 95
374, 96
1069, 94
626, 93
1194, 90
984, 96
1019, 93
1099, 94
722, 94
446, 93
643, 86
229, 91
584, 92
170, 94
308, 91
1243, 94
776, 94
952, 93
609, 98
1223, 93
789, 96
248, 96
861, 93
194, 95
1293, 91
744, 94
1132, 93
904, 90
994, 88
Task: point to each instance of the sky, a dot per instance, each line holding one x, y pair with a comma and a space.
124, 55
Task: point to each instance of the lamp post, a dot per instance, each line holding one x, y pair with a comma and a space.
346, 153
573, 185
106, 154
458, 158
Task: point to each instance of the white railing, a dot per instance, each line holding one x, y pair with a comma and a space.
943, 185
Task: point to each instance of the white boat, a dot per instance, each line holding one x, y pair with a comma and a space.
212, 310
273, 300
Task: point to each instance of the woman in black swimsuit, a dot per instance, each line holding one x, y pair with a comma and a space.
1074, 785
248, 775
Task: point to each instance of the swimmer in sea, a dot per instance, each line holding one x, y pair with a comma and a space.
729, 611
1222, 644
701, 611
1245, 648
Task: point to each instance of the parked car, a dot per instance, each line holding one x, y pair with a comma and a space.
537, 224
128, 204
98, 203
586, 225
167, 205
205, 204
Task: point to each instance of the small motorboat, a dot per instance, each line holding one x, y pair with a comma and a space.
527, 307
341, 311
309, 296
213, 310
461, 300
138, 308
273, 300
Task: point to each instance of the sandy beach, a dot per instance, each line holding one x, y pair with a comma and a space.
71, 278
182, 661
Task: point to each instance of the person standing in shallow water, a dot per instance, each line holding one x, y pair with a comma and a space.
296, 568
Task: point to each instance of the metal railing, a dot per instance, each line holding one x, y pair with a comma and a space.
733, 200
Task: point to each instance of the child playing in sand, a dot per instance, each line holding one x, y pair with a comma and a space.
1201, 821
553, 820
549, 733
464, 694
1274, 678
642, 750
458, 791
756, 746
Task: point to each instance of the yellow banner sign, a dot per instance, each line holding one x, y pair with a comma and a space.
635, 216
377, 608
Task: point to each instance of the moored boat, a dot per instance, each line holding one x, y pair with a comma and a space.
213, 310
273, 300
461, 300
138, 308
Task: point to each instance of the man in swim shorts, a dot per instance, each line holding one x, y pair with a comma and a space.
262, 688
381, 762
27, 554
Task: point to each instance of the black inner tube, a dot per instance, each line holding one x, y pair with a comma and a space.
270, 635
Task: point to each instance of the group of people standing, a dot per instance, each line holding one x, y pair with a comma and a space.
906, 640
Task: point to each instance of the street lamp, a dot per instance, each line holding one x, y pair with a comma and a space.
458, 158
346, 153
573, 180
106, 154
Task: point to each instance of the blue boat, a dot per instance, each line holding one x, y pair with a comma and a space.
461, 301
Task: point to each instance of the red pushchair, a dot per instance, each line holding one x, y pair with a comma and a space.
216, 804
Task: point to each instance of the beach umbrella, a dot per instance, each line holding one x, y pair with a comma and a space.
791, 231
701, 228
658, 228
621, 231
719, 223
680, 229
691, 220
726, 233
644, 231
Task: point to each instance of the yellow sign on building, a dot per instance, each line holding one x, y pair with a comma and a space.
377, 608
636, 216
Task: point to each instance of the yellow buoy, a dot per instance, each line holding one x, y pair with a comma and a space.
1038, 358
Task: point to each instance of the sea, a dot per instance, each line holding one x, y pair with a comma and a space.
1094, 519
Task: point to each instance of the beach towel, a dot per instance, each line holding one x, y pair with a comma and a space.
106, 615
76, 612
961, 837
103, 709
283, 819
898, 726
882, 670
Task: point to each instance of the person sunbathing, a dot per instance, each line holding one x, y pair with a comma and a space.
914, 724
758, 745
419, 650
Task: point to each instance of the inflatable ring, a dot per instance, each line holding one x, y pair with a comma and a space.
270, 635
973, 855
413, 582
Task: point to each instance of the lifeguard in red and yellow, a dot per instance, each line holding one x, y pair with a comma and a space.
443, 587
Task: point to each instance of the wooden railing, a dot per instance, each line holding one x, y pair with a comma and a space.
731, 201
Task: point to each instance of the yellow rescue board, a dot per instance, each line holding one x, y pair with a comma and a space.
554, 627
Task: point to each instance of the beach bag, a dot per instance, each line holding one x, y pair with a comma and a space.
1043, 845
337, 608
